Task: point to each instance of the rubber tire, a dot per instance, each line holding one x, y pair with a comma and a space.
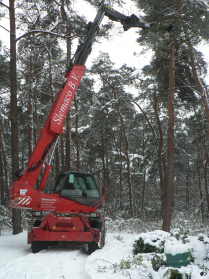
103, 234
37, 246
37, 223
96, 225
92, 246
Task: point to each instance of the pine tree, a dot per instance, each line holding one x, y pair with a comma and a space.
175, 19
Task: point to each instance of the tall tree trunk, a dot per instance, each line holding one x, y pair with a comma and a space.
170, 167
68, 140
36, 133
1, 180
30, 101
16, 214
103, 155
199, 177
205, 167
6, 189
119, 158
128, 167
76, 134
144, 173
62, 153
187, 180
107, 163
36, 117
50, 76
161, 158
121, 168
200, 191
57, 159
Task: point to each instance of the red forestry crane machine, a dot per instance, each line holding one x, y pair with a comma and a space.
72, 213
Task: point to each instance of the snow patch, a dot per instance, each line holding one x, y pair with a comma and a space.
114, 261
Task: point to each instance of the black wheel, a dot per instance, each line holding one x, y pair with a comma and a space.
102, 241
92, 246
101, 227
37, 246
36, 223
96, 225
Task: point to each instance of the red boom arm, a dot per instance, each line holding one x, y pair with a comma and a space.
21, 193
53, 126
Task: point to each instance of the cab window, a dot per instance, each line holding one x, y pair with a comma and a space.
59, 184
80, 185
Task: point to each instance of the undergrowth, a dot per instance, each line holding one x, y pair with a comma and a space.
175, 274
141, 247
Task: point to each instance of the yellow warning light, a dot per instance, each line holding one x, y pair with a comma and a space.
54, 227
73, 228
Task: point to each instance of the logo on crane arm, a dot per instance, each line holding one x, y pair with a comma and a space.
66, 98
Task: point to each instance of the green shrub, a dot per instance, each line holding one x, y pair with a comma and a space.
174, 274
191, 257
181, 234
201, 238
140, 247
157, 262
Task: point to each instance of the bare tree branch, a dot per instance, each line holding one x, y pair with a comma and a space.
58, 3
4, 28
42, 31
4, 5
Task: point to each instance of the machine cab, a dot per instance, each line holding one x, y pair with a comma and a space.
79, 187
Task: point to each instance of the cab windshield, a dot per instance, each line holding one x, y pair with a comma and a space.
77, 184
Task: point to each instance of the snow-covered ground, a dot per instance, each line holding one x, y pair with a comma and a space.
114, 261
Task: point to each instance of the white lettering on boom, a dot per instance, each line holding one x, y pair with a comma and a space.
62, 112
